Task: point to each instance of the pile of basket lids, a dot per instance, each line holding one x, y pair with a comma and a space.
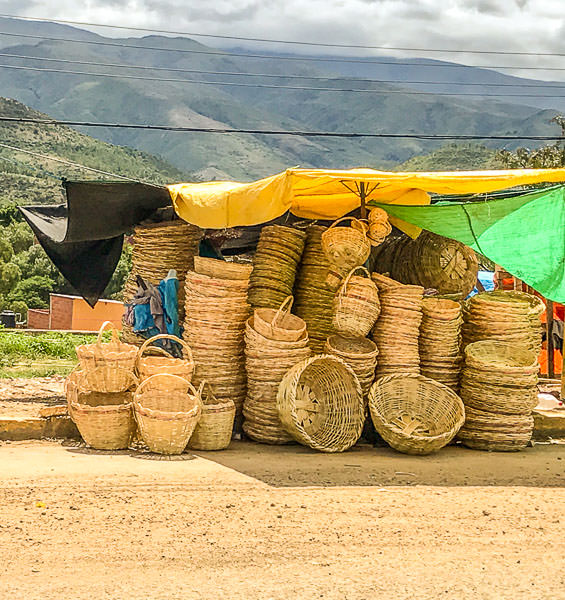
433, 369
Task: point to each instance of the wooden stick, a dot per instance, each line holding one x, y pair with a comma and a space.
549, 340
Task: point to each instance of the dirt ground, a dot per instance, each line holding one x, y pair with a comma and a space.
280, 523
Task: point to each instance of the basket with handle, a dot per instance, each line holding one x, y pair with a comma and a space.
356, 304
214, 429
167, 409
107, 366
151, 365
414, 414
346, 247
279, 324
221, 269
105, 420
320, 404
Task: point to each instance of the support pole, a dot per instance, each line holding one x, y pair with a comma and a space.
363, 196
549, 340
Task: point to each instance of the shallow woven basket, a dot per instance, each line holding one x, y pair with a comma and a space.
279, 324
107, 367
152, 365
356, 305
320, 404
214, 429
105, 420
221, 269
346, 247
497, 355
165, 415
414, 414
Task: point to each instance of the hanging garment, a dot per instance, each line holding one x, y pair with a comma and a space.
169, 289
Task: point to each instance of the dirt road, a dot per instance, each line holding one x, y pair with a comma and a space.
257, 522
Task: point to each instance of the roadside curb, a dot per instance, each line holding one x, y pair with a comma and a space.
36, 428
549, 424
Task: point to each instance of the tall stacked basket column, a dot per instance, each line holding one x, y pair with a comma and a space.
216, 312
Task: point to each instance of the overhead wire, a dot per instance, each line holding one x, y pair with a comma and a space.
230, 54
276, 87
290, 42
174, 128
274, 75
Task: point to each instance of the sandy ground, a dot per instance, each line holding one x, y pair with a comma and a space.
25, 397
268, 523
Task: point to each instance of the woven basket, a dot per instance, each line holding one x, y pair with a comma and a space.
320, 404
346, 247
165, 415
221, 269
146, 366
279, 324
107, 367
497, 355
214, 429
414, 414
105, 421
356, 304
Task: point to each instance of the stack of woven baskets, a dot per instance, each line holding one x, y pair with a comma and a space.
508, 316
216, 312
499, 390
397, 329
275, 341
440, 341
313, 298
274, 265
158, 248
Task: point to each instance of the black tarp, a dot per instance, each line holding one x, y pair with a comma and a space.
84, 238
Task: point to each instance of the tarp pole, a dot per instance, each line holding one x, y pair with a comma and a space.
363, 196
549, 340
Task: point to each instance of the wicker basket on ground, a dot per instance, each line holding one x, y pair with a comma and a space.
165, 413
274, 265
320, 404
214, 429
216, 312
415, 414
105, 420
440, 341
107, 367
267, 361
356, 304
313, 298
396, 331
499, 390
158, 248
151, 365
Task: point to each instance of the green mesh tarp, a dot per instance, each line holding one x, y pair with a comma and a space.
524, 234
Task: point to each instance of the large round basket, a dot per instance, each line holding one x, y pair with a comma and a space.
414, 414
320, 404
105, 420
165, 415
221, 269
215, 427
107, 367
152, 365
279, 324
346, 247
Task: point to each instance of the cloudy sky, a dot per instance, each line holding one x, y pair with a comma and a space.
503, 25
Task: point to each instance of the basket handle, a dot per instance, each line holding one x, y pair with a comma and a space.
288, 300
341, 220
189, 385
349, 275
115, 336
163, 336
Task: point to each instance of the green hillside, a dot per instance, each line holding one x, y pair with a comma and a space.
453, 157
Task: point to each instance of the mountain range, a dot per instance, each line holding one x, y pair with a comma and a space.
206, 100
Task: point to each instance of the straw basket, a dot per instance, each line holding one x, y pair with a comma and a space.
221, 269
346, 247
214, 429
414, 414
152, 365
107, 367
279, 324
105, 421
379, 226
165, 415
320, 404
356, 304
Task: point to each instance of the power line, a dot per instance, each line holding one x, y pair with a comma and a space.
291, 42
332, 59
277, 87
275, 76
71, 163
419, 136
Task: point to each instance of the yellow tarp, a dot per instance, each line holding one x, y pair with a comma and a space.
320, 194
